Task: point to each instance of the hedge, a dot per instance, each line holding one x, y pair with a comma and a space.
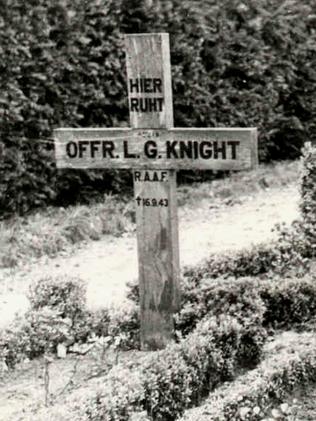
58, 314
278, 302
166, 382
252, 395
63, 64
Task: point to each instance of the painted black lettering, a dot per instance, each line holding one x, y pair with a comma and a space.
150, 149
137, 175
186, 149
134, 104
147, 176
163, 175
134, 85
127, 154
143, 105
157, 85
219, 150
196, 149
160, 102
72, 149
170, 149
233, 144
155, 176
148, 85
82, 147
152, 104
94, 147
108, 148
205, 150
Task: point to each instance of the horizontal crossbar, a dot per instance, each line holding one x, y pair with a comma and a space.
177, 148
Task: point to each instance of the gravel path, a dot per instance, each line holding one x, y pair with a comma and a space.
107, 265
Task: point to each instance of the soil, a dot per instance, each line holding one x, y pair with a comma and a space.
107, 265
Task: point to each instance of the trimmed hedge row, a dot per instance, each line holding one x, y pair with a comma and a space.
166, 382
276, 303
252, 395
281, 303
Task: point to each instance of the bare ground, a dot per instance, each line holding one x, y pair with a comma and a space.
107, 265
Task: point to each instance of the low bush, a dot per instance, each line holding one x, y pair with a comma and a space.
253, 395
291, 250
166, 382
279, 302
66, 295
213, 297
275, 303
58, 314
38, 332
290, 303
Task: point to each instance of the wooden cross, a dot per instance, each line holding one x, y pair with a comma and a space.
154, 150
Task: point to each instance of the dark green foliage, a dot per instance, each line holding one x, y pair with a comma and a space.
63, 64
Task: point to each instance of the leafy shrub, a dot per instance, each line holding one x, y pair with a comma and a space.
125, 325
66, 295
13, 344
63, 65
239, 299
290, 251
40, 331
281, 303
45, 328
289, 302
166, 382
252, 395
276, 303
58, 314
308, 195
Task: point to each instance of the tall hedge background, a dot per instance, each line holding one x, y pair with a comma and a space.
62, 63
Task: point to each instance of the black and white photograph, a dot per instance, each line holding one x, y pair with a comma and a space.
157, 210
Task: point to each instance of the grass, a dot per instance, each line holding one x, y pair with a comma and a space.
240, 184
53, 230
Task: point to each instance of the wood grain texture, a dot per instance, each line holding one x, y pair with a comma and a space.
148, 57
155, 149
203, 149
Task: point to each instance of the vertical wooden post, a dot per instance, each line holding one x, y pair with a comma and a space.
150, 104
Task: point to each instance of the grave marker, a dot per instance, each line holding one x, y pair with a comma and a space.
154, 150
